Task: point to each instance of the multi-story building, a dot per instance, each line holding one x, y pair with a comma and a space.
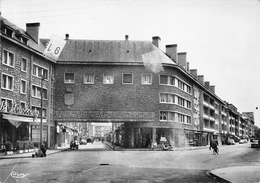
24, 73
147, 94
154, 94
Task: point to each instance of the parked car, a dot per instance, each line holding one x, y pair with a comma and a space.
74, 144
242, 141
231, 142
89, 140
83, 142
255, 143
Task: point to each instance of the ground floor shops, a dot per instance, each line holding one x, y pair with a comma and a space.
139, 135
23, 132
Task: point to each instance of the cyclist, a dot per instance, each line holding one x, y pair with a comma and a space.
214, 145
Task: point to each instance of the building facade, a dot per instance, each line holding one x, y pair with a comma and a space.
25, 74
148, 95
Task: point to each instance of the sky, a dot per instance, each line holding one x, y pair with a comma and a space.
221, 37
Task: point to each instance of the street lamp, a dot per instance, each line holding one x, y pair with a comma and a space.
42, 79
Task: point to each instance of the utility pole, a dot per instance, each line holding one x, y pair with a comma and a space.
41, 107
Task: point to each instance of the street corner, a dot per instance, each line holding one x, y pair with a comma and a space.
238, 174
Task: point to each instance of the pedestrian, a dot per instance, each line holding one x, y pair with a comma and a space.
43, 149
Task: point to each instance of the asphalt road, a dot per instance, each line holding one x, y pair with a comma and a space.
95, 163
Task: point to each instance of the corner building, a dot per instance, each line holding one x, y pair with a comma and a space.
153, 94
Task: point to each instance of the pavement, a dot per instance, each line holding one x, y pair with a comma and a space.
29, 154
234, 174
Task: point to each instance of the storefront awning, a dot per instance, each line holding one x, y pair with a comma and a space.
17, 120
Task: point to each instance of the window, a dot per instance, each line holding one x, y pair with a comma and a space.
40, 71
36, 92
181, 118
23, 86
89, 78
146, 79
22, 105
127, 78
166, 98
167, 116
181, 101
163, 79
8, 58
108, 79
167, 80
163, 97
44, 111
6, 105
24, 65
188, 104
69, 78
7, 82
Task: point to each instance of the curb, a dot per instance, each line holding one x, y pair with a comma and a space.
209, 172
29, 155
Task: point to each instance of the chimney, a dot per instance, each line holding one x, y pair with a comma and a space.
182, 59
194, 73
33, 30
201, 78
188, 67
156, 41
126, 37
212, 88
171, 51
67, 36
207, 84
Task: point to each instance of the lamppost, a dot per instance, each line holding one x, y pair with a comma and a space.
42, 79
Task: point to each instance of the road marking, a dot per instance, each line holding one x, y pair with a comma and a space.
12, 170
90, 169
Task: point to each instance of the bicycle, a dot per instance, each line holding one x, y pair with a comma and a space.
215, 150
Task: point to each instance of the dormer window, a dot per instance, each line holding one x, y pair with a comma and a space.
8, 32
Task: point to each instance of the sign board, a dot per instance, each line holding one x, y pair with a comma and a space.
54, 47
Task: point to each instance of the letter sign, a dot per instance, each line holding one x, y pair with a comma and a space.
54, 47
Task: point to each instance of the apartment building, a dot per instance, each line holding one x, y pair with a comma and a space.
147, 94
25, 73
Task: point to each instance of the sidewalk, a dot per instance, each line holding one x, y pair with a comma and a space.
29, 154
238, 174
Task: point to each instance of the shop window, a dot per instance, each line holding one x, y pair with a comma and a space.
24, 65
89, 78
7, 82
8, 58
146, 79
127, 78
108, 79
69, 78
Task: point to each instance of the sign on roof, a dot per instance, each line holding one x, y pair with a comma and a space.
54, 48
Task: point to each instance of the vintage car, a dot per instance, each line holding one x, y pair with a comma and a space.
255, 143
74, 144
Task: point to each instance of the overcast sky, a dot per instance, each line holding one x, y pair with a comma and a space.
221, 37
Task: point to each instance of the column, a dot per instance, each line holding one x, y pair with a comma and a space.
132, 137
154, 134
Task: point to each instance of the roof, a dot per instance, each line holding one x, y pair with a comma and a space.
20, 32
109, 51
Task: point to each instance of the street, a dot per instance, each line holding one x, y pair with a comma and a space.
95, 163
